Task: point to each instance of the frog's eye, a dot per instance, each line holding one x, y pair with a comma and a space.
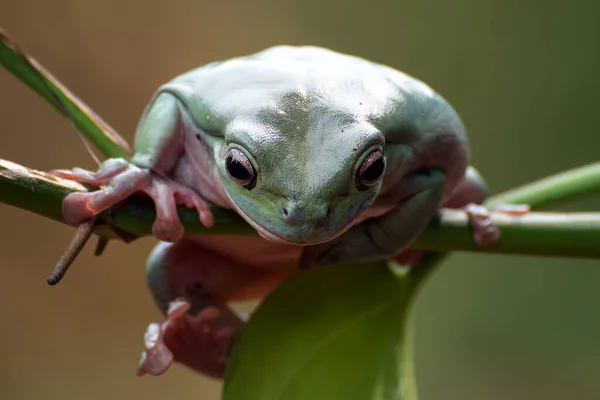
371, 170
240, 169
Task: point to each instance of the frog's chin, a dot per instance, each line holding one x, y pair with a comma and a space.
273, 237
278, 239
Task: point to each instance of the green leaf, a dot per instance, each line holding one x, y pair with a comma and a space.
29, 71
334, 332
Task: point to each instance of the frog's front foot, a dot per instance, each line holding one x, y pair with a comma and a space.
118, 180
485, 232
194, 340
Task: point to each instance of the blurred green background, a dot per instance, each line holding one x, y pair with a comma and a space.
523, 75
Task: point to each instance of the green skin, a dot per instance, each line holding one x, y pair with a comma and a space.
307, 119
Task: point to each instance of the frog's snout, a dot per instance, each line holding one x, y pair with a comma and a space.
306, 223
317, 215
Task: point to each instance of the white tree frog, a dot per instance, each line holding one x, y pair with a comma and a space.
328, 156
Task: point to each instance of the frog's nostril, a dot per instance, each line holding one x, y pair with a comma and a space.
285, 212
328, 212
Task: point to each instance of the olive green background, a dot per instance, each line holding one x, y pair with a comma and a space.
524, 76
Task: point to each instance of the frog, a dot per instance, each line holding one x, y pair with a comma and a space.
330, 157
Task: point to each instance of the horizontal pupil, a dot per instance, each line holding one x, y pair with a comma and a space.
374, 170
237, 169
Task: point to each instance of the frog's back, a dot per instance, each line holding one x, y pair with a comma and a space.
309, 66
264, 78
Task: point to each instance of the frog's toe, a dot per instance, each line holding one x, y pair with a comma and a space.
76, 174
106, 172
167, 194
485, 231
167, 229
77, 208
184, 195
157, 357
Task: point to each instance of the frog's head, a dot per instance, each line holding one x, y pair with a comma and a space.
301, 183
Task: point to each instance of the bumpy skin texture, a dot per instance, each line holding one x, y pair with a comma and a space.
306, 118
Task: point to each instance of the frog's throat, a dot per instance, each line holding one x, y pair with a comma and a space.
271, 236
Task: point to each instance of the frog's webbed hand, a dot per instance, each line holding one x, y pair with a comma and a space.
385, 236
119, 180
159, 143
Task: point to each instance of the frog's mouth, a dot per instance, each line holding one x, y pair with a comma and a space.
277, 238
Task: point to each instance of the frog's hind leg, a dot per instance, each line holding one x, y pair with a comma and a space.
192, 285
200, 341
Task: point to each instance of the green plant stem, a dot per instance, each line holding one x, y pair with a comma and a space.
34, 190
551, 234
558, 188
544, 234
554, 189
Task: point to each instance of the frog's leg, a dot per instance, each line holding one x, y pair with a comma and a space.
470, 193
192, 285
159, 144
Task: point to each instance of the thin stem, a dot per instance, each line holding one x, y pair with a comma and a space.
561, 187
551, 234
542, 234
29, 71
84, 232
544, 192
